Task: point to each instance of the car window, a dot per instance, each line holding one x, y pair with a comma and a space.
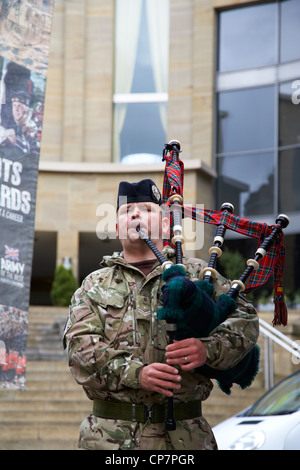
284, 398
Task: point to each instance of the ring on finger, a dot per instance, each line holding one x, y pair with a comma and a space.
186, 359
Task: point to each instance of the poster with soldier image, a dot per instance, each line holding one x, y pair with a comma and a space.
24, 47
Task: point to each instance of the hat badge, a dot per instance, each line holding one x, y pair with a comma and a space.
155, 192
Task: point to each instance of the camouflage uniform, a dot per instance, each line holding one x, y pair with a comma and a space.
113, 331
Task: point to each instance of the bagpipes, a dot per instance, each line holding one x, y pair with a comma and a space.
185, 301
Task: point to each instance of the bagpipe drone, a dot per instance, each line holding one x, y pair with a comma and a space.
184, 300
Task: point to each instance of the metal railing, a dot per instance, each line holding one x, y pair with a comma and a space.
272, 335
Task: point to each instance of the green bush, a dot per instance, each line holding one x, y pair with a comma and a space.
63, 286
233, 264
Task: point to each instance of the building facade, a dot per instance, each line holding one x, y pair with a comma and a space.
125, 78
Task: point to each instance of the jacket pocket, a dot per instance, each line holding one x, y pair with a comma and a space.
108, 296
107, 434
119, 320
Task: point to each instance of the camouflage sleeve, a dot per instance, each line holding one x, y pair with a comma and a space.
229, 342
92, 362
233, 339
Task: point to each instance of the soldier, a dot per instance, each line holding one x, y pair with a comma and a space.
118, 349
19, 129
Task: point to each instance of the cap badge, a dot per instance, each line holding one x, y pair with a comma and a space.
155, 192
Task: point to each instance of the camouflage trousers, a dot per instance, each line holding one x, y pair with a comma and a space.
109, 434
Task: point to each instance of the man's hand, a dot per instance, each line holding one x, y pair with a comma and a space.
162, 378
188, 353
158, 377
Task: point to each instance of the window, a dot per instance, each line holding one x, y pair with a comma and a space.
289, 194
289, 30
246, 119
91, 252
141, 80
289, 126
247, 37
258, 133
43, 267
247, 181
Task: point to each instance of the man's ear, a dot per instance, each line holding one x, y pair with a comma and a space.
117, 230
166, 226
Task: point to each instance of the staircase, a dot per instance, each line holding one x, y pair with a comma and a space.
48, 413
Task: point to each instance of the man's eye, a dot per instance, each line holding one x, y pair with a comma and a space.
123, 211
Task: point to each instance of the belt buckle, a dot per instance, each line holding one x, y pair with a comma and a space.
148, 413
133, 416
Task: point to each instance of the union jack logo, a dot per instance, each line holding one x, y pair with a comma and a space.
12, 253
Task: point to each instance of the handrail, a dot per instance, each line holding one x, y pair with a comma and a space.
279, 338
271, 334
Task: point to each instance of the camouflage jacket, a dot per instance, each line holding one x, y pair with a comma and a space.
113, 331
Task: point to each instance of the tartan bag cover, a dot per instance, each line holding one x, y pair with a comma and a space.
272, 262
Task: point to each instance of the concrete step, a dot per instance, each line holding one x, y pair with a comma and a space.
43, 395
36, 354
46, 314
47, 414
41, 366
74, 416
42, 406
48, 385
39, 444
44, 341
48, 375
34, 432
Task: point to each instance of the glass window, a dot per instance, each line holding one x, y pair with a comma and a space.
247, 182
289, 170
141, 47
283, 399
289, 30
139, 131
246, 120
91, 252
247, 37
258, 105
141, 77
43, 267
289, 113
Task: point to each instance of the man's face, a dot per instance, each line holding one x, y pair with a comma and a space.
20, 112
146, 215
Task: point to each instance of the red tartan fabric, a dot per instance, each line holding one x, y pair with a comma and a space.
272, 262
173, 178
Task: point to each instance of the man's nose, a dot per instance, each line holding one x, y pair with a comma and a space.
136, 213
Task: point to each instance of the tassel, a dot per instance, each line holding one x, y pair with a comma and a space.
280, 309
280, 314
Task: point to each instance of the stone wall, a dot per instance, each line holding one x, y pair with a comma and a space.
76, 169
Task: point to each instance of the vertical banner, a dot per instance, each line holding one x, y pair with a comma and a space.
25, 29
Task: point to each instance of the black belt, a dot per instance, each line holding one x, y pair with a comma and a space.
141, 413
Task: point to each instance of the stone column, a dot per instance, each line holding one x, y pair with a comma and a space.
68, 246
74, 78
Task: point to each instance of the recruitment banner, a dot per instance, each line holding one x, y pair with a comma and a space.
25, 29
